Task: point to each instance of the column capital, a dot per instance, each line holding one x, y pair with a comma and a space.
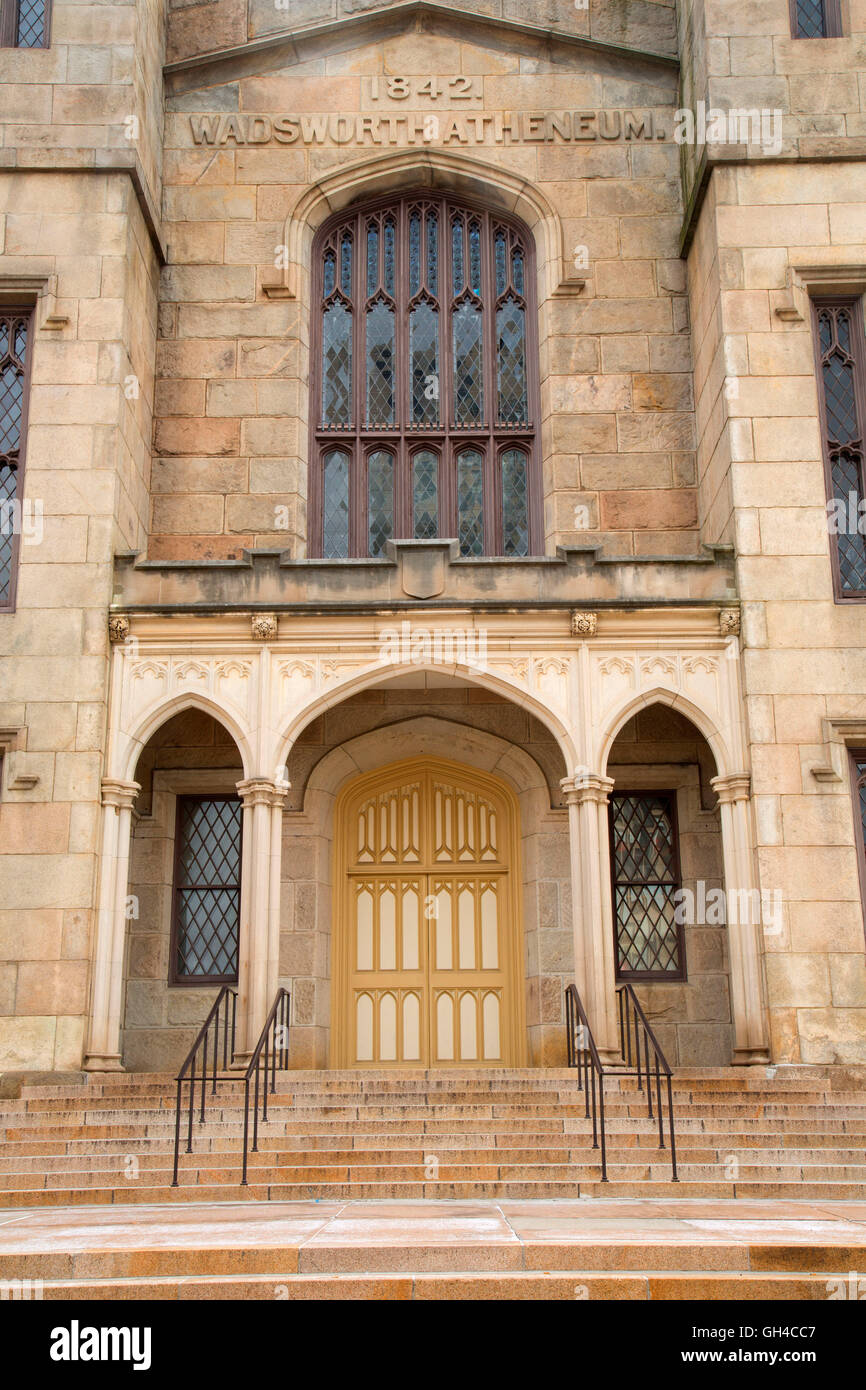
262, 791
585, 786
118, 793
735, 786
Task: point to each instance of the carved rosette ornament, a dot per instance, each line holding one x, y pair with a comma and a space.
729, 622
264, 626
584, 624
118, 627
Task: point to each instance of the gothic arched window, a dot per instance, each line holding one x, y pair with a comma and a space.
425, 399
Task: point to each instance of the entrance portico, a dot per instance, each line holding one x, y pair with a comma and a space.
579, 678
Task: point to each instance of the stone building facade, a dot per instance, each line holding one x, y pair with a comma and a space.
656, 654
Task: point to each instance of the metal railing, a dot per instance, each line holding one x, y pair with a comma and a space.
271, 1053
216, 1038
583, 1054
642, 1057
633, 1024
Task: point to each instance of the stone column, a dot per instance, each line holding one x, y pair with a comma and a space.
592, 913
106, 986
744, 919
259, 941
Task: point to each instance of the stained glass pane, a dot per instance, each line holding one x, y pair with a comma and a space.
845, 467
512, 408
468, 365
811, 20
330, 274
380, 500
8, 489
380, 365
31, 24
335, 506
337, 366
825, 331
414, 253
432, 253
515, 503
424, 364
389, 256
457, 274
475, 257
372, 258
346, 265
208, 887
645, 880
425, 495
11, 400
843, 330
517, 272
470, 506
501, 263
841, 405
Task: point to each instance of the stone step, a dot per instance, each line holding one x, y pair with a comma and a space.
547, 1285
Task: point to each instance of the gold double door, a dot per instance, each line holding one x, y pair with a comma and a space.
427, 932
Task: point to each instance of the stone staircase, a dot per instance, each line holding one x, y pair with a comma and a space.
470, 1135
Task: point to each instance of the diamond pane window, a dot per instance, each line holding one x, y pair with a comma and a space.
470, 511
645, 874
513, 406
425, 495
842, 354
424, 359
14, 330
380, 499
31, 25
515, 503
337, 366
207, 890
816, 19
468, 368
857, 758
424, 349
336, 505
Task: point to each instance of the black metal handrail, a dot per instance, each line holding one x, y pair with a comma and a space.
633, 1023
220, 1023
273, 1046
583, 1054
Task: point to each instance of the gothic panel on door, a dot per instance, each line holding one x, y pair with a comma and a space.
427, 948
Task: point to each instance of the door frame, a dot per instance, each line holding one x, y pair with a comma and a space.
514, 1026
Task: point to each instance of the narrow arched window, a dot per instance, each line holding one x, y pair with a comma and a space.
425, 392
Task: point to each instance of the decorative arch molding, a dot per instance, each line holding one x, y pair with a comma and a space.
443, 170
132, 744
426, 735
555, 719
675, 700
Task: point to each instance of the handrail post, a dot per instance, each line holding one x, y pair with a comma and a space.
176, 1134
671, 1125
191, 1105
246, 1127
601, 1113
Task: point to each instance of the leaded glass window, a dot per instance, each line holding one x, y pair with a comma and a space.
645, 878
816, 19
842, 380
207, 890
24, 24
858, 786
425, 369
14, 345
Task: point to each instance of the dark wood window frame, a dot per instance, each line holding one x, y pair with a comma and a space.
855, 303
11, 312
174, 975
832, 21
9, 11
404, 441
857, 755
669, 796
